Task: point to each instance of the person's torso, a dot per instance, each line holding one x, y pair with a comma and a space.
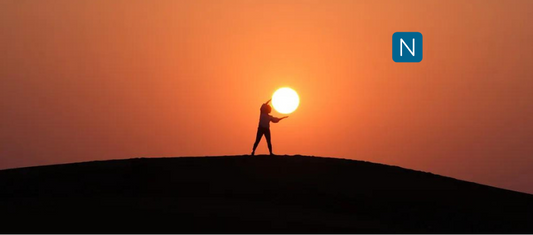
264, 120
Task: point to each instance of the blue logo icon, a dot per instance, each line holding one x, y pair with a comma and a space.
407, 47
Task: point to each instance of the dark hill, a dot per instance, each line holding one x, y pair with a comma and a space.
244, 194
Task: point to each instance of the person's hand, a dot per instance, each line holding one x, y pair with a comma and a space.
284, 117
268, 101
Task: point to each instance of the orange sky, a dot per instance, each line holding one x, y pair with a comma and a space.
89, 80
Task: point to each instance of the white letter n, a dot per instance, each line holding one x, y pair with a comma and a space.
402, 42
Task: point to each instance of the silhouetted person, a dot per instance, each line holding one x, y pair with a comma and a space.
264, 126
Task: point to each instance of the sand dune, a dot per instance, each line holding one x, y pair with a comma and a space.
244, 194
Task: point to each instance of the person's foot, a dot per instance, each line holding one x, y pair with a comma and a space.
272, 154
253, 153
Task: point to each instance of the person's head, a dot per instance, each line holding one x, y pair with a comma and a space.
266, 108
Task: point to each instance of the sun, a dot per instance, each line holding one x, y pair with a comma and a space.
285, 100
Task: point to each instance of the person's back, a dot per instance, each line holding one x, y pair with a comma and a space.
264, 120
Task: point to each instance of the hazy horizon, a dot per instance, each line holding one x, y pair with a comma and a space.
95, 80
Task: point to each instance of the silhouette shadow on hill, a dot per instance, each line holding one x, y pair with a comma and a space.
260, 194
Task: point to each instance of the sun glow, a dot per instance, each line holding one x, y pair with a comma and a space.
285, 100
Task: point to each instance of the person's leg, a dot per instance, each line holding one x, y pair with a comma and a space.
267, 137
257, 139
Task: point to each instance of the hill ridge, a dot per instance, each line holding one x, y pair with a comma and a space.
257, 194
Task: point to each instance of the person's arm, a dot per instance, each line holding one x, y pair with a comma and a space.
276, 120
268, 101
